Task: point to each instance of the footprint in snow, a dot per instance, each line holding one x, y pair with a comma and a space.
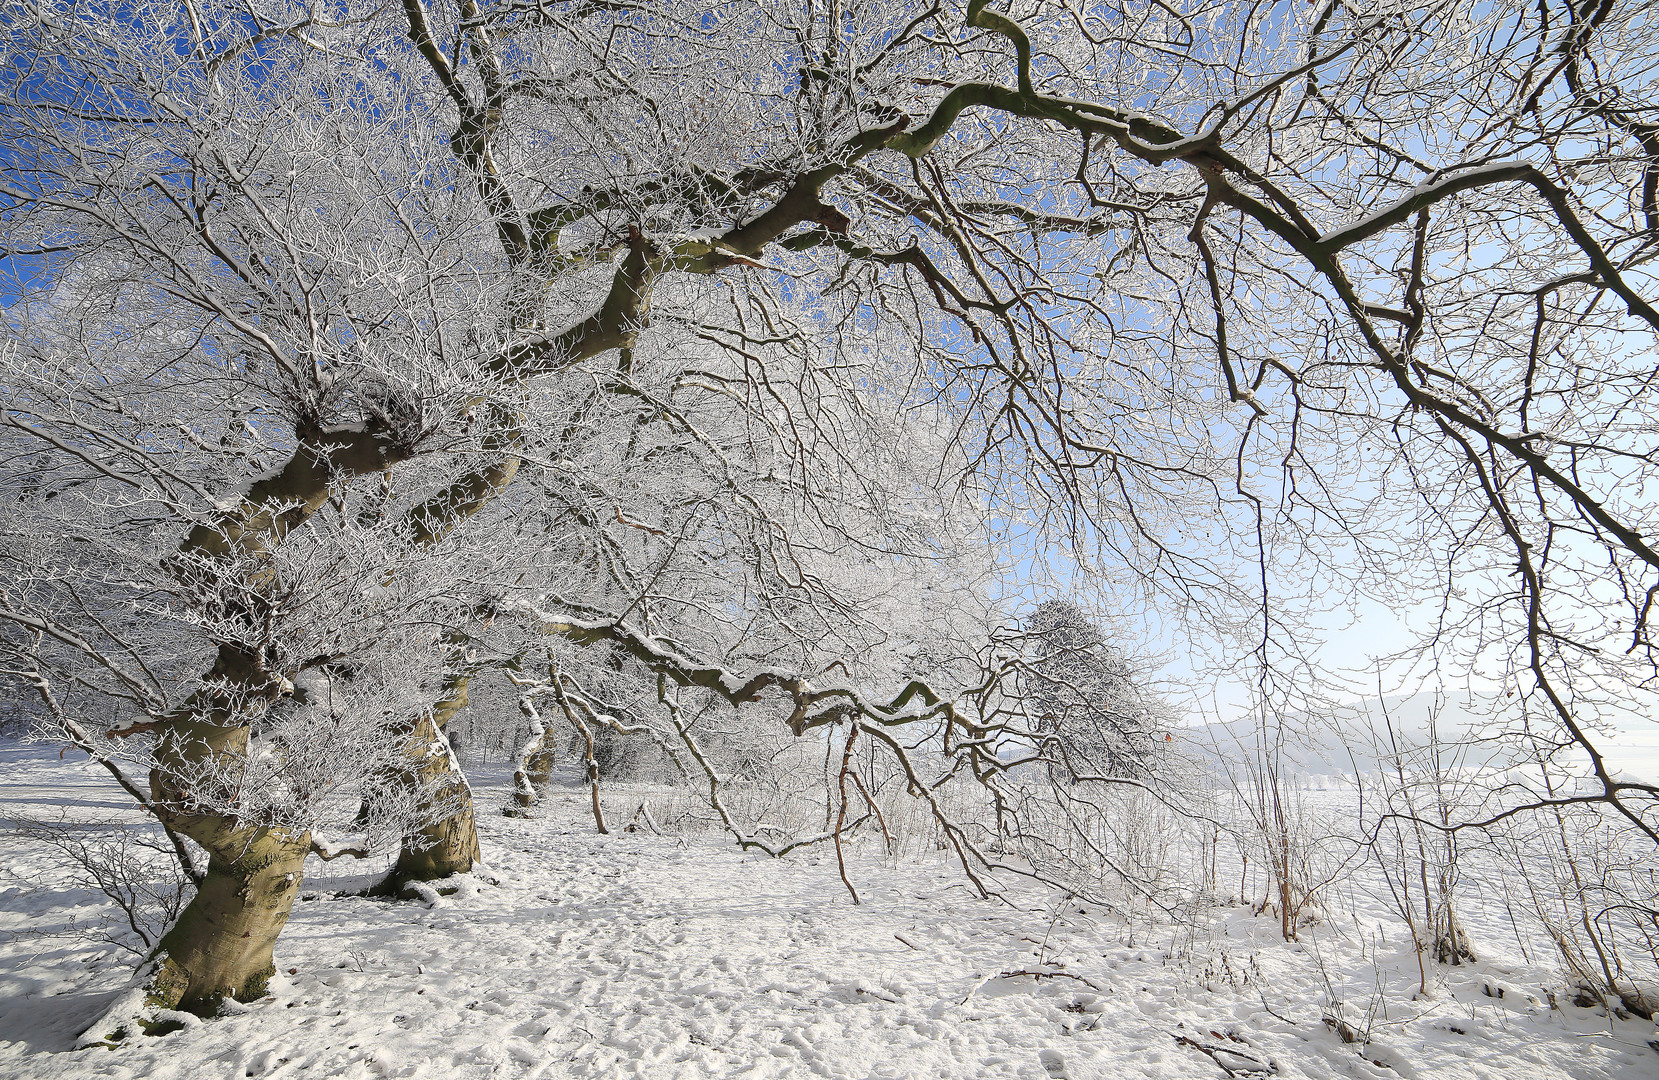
267, 1061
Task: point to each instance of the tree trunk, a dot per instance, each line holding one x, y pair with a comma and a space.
221, 946
593, 773
530, 779
539, 769
1451, 944
448, 845
534, 761
444, 848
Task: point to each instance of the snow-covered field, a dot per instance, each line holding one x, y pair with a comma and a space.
639, 955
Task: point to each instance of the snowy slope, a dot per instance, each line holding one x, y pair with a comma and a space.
639, 955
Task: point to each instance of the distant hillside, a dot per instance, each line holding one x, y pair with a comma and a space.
1318, 751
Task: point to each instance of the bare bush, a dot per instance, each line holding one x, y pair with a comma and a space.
133, 865
1585, 881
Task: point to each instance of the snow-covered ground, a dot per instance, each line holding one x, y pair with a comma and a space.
639, 955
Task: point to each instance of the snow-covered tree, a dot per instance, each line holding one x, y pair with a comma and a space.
1098, 716
344, 338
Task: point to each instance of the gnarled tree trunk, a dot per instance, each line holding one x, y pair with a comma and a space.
448, 845
222, 944
534, 764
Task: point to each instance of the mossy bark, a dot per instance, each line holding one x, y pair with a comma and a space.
222, 945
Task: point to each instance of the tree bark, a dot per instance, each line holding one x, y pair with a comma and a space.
222, 944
